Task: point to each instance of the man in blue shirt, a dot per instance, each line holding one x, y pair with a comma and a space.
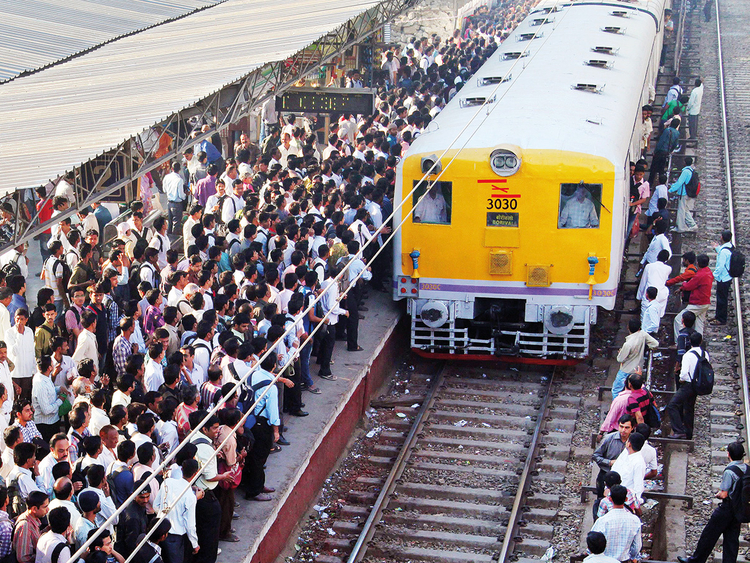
722, 277
685, 221
666, 144
103, 217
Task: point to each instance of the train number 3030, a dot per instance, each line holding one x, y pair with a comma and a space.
502, 203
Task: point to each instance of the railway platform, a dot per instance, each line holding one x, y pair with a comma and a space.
299, 470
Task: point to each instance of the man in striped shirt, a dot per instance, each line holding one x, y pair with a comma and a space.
28, 527
621, 528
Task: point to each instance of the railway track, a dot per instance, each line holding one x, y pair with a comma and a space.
467, 468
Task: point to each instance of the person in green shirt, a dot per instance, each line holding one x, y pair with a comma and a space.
46, 332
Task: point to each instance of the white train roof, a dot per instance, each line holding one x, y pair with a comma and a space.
539, 107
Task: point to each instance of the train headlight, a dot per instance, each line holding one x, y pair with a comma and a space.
434, 314
504, 162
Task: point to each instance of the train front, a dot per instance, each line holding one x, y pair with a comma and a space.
507, 252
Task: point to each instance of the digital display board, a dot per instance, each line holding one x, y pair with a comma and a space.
327, 100
495, 219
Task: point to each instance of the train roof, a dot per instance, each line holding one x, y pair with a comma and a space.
577, 86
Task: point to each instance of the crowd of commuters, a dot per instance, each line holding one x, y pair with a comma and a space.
129, 345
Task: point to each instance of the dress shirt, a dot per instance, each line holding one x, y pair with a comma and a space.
657, 244
120, 398
616, 410
667, 140
577, 214
232, 204
330, 300
168, 434
26, 537
201, 360
153, 377
161, 243
610, 447
68, 371
75, 515
6, 534
689, 363
649, 456
631, 468
181, 513
207, 461
7, 381
623, 532
26, 482
651, 317
81, 530
8, 464
600, 558
606, 504
355, 267
4, 321
47, 544
87, 348
268, 406
44, 399
205, 188
44, 480
630, 355
122, 349
29, 432
16, 302
721, 270
99, 420
174, 186
21, 352
361, 233
695, 100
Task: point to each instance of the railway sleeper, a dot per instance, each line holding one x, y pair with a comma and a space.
396, 553
558, 438
505, 397
551, 451
538, 500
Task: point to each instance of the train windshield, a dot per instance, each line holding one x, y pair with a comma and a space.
580, 206
435, 207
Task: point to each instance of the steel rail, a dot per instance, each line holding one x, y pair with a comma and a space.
381, 503
730, 202
509, 540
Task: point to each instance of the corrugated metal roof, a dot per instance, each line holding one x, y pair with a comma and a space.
37, 33
56, 119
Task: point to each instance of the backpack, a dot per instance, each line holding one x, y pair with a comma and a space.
134, 277
739, 496
57, 551
63, 327
65, 269
736, 263
16, 503
693, 186
11, 268
111, 483
703, 376
652, 417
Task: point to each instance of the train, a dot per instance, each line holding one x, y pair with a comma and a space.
514, 201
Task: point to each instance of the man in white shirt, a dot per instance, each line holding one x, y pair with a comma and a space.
174, 186
180, 512
681, 408
432, 208
110, 438
24, 456
153, 378
160, 241
59, 452
10, 387
648, 452
694, 108
99, 418
203, 349
630, 464
597, 543
63, 489
59, 528
233, 204
194, 218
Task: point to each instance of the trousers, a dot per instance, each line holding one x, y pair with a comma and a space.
685, 221
681, 410
176, 210
352, 321
327, 343
207, 522
658, 165
256, 458
226, 502
304, 364
722, 300
693, 125
619, 383
700, 312
175, 549
721, 523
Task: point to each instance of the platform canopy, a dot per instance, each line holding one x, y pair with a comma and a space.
63, 116
37, 33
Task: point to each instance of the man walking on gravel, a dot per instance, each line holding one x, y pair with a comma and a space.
681, 408
699, 301
685, 205
608, 451
723, 521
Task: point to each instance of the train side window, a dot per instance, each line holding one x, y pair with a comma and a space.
435, 208
580, 206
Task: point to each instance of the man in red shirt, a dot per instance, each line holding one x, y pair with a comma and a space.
44, 208
699, 287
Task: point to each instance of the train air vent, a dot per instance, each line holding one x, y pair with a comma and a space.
604, 50
613, 29
550, 10
620, 13
598, 63
472, 101
489, 80
529, 36
501, 262
511, 55
583, 87
537, 275
541, 21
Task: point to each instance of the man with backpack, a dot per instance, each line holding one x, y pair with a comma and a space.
686, 187
56, 274
53, 546
727, 267
29, 526
681, 408
724, 521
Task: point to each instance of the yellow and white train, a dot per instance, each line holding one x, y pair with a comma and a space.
521, 235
